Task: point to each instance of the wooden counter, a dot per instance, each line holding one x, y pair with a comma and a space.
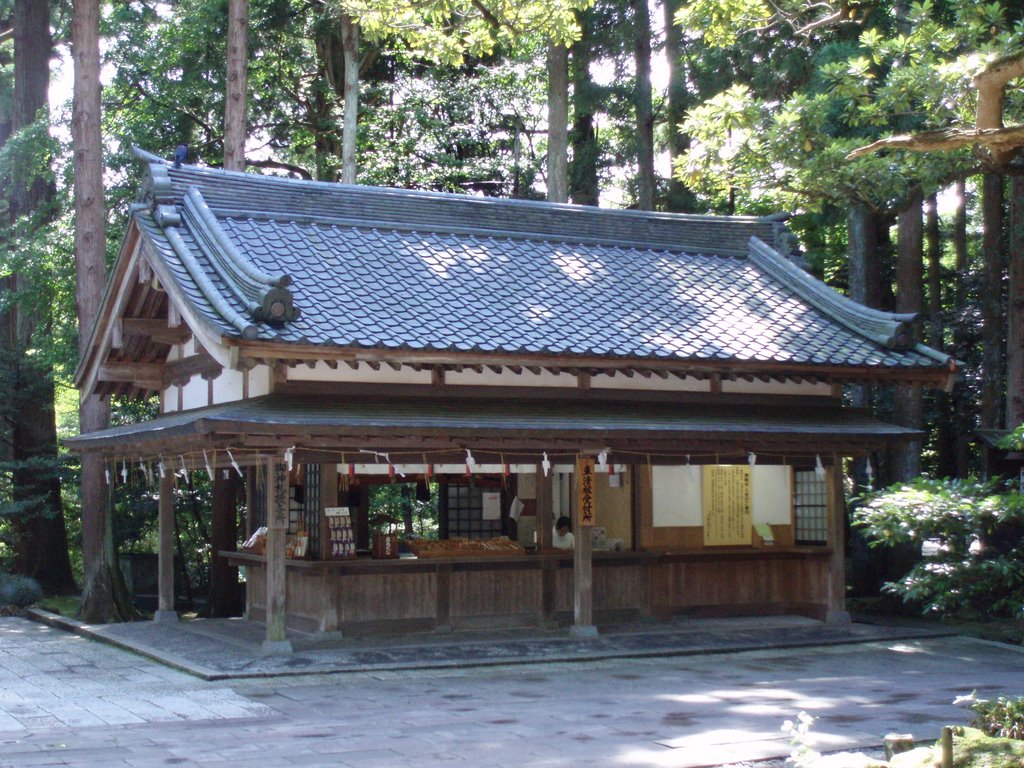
363, 596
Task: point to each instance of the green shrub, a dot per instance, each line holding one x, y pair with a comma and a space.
19, 591
971, 536
1003, 717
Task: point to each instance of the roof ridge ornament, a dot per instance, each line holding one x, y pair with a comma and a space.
890, 330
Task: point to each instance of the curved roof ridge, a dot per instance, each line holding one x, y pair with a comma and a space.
266, 297
890, 330
206, 286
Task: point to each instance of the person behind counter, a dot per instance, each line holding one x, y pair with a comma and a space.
562, 537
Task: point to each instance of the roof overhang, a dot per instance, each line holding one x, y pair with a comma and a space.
645, 431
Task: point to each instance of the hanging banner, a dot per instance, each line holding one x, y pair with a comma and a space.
584, 492
727, 506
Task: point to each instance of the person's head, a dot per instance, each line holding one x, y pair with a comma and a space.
562, 525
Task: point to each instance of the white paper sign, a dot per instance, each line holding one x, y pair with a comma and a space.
492, 506
515, 509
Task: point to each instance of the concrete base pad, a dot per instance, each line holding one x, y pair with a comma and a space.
838, 617
276, 648
166, 617
582, 632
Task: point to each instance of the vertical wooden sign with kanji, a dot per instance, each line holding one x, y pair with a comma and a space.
584, 492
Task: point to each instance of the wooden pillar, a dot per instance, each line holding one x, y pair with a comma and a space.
165, 550
277, 531
545, 514
328, 598
548, 585
582, 552
225, 594
443, 605
837, 613
583, 584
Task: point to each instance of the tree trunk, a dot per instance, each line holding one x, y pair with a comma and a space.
864, 267
907, 410
558, 123
992, 301
32, 48
41, 547
235, 103
350, 50
225, 593
962, 411
583, 177
862, 260
104, 597
944, 433
645, 181
1015, 308
680, 198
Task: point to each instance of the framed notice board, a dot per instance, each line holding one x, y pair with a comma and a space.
727, 505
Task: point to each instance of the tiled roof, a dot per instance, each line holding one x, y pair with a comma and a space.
594, 420
394, 269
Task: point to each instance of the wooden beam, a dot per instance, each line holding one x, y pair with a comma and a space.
143, 375
583, 380
155, 328
180, 371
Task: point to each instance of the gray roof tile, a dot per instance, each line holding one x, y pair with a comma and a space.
507, 276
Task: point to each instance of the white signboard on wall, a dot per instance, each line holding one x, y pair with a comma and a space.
772, 497
675, 494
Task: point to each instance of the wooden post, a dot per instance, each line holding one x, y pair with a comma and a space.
582, 554
443, 605
165, 550
277, 531
545, 514
328, 599
837, 613
583, 585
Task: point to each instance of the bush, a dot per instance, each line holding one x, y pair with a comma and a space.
19, 591
1003, 717
971, 536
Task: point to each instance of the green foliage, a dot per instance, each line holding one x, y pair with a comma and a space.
790, 151
972, 536
394, 503
446, 31
1003, 717
19, 591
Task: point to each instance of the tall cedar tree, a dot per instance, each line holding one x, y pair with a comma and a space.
104, 597
41, 547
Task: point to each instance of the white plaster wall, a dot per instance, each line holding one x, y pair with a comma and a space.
364, 374
776, 388
507, 378
227, 388
259, 381
196, 393
169, 401
654, 383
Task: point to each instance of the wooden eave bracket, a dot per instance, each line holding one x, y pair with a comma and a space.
154, 376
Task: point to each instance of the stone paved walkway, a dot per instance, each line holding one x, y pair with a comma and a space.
65, 700
216, 649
